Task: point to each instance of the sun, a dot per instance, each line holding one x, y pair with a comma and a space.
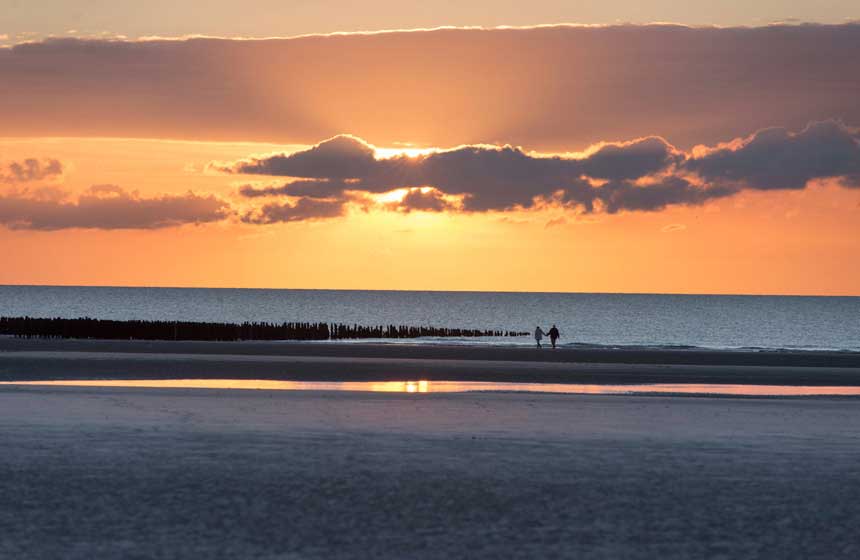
391, 196
388, 153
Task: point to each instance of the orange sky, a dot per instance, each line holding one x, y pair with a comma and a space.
763, 237
774, 242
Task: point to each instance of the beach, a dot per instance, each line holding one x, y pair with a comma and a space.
429, 280
168, 473
30, 359
224, 473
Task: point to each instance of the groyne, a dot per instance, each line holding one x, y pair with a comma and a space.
84, 327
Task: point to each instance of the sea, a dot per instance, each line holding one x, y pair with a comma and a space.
584, 319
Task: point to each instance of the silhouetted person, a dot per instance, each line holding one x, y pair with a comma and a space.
553, 335
539, 334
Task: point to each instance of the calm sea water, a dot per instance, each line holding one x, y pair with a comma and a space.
769, 322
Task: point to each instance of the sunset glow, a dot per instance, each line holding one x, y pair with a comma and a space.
388, 153
336, 164
423, 386
388, 279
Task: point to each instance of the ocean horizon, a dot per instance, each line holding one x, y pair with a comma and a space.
794, 322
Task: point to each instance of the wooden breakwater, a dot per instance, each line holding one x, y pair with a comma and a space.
32, 327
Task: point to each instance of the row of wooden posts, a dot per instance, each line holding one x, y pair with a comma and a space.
32, 327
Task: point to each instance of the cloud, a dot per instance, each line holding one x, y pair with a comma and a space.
551, 87
643, 175
314, 188
776, 158
630, 160
302, 210
618, 196
488, 177
417, 200
30, 171
341, 157
107, 207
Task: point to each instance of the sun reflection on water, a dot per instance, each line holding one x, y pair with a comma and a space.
424, 386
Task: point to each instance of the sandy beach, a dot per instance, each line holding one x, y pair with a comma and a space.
168, 473
222, 473
336, 280
23, 359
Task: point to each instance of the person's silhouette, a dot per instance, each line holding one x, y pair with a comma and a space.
539, 334
553, 335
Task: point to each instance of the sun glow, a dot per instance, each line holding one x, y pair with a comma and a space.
426, 386
391, 196
388, 153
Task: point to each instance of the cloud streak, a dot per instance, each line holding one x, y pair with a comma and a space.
305, 209
107, 207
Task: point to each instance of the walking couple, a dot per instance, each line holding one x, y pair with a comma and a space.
553, 335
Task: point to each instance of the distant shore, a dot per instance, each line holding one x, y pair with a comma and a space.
33, 359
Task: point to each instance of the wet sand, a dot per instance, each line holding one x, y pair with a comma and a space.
183, 473
22, 359
171, 473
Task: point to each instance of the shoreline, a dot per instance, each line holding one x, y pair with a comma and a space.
406, 349
45, 359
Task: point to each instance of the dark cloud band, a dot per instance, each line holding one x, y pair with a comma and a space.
547, 88
108, 207
776, 158
646, 174
488, 177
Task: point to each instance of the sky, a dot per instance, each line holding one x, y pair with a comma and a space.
579, 148
287, 18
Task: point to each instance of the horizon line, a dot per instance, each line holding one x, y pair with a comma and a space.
692, 294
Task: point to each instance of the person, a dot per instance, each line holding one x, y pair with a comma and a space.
539, 334
553, 335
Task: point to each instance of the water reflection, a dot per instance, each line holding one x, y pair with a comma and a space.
424, 386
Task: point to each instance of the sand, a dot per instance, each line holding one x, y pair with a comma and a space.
95, 472
64, 359
182, 473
